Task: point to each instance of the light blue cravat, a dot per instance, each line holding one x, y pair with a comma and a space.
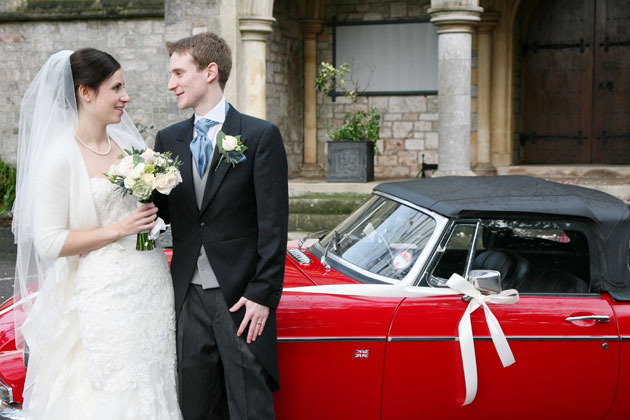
201, 146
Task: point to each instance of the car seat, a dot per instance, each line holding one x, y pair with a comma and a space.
514, 269
555, 281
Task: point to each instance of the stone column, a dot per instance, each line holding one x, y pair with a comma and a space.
310, 29
253, 92
455, 21
484, 67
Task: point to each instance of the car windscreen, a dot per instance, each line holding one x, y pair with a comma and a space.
382, 237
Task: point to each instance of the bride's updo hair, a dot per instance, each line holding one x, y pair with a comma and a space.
90, 67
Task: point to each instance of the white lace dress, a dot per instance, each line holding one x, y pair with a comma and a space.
113, 357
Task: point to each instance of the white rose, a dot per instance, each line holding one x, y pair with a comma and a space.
138, 170
165, 182
229, 143
130, 182
142, 191
160, 161
125, 166
148, 179
148, 156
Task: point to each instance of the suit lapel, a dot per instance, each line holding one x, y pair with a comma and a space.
231, 127
184, 137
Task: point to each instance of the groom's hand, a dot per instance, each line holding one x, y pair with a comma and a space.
255, 313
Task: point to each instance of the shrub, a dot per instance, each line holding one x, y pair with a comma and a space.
7, 187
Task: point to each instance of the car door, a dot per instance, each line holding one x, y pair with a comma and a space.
566, 344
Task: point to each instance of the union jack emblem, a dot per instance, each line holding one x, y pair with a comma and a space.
361, 354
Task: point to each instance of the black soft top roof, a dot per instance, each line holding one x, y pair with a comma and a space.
487, 195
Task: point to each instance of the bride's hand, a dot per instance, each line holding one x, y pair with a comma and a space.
141, 219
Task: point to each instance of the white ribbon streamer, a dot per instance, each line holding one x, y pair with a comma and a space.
466, 340
457, 286
157, 228
18, 303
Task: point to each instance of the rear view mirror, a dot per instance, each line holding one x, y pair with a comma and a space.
487, 281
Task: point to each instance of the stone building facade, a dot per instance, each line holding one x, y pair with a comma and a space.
136, 37
491, 70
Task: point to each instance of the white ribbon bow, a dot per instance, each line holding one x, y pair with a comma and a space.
457, 285
464, 330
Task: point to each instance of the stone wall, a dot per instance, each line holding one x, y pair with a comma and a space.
29, 34
138, 44
409, 124
285, 80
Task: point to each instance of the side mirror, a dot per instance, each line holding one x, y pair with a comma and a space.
487, 281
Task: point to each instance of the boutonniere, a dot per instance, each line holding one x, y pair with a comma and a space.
231, 148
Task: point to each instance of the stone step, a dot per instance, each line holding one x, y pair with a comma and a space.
314, 222
326, 203
607, 172
307, 186
316, 212
315, 204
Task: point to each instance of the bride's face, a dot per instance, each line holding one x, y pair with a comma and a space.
108, 103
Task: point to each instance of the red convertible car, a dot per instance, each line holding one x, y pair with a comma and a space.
375, 322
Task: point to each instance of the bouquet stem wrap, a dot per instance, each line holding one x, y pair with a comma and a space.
144, 243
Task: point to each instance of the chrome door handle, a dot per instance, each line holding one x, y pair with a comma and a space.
598, 318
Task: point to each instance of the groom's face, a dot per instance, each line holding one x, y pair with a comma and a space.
187, 82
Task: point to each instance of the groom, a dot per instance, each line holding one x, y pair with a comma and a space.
229, 225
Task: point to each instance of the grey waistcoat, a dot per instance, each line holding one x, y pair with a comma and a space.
203, 275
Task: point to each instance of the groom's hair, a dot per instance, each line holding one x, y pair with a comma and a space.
206, 48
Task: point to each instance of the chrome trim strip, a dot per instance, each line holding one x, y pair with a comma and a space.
513, 338
625, 338
471, 250
329, 339
406, 339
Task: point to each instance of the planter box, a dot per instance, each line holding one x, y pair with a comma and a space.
350, 161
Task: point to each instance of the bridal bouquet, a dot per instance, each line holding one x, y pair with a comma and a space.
141, 172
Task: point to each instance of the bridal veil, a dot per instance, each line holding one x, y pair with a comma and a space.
53, 197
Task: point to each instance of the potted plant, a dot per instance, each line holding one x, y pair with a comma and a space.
352, 146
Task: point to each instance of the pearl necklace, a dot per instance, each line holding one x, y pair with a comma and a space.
109, 145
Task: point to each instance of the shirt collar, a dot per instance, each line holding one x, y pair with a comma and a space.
216, 114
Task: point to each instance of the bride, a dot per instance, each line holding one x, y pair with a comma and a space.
97, 315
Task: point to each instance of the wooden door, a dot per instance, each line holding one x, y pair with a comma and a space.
577, 100
611, 90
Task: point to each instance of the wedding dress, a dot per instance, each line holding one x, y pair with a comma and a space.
100, 326
113, 357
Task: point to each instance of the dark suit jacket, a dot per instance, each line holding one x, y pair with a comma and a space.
242, 223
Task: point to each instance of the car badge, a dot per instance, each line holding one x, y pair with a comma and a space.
361, 354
